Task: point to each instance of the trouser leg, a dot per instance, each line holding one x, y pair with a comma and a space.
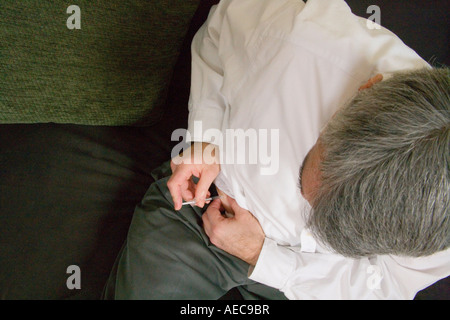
167, 255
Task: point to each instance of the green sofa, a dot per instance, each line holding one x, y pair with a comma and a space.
87, 114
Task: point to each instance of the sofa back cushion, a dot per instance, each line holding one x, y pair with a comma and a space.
108, 63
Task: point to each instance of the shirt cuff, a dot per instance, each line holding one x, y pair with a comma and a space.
274, 266
204, 125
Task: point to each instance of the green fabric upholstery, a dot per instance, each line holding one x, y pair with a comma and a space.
115, 70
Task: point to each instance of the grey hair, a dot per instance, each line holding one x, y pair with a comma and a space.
385, 170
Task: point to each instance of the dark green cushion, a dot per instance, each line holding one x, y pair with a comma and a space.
115, 70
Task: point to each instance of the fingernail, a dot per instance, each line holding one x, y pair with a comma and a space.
200, 203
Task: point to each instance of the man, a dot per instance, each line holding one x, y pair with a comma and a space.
371, 218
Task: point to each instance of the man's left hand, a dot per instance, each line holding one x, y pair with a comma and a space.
240, 235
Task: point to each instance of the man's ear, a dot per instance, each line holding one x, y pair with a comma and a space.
371, 82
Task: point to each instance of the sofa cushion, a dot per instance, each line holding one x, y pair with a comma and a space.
114, 70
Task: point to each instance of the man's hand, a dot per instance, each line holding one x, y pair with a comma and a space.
201, 161
240, 235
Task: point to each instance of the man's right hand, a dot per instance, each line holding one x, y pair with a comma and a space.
200, 160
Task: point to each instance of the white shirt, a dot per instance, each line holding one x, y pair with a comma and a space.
283, 67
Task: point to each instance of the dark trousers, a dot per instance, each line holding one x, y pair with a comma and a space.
167, 255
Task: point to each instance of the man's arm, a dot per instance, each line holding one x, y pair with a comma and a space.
206, 103
206, 107
303, 275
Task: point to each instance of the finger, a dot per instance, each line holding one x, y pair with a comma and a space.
188, 190
187, 194
234, 206
213, 212
206, 179
175, 192
206, 224
215, 205
211, 216
190, 185
173, 166
208, 195
178, 178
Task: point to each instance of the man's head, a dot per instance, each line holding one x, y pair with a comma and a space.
378, 177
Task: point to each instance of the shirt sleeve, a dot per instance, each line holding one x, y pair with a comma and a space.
301, 275
206, 103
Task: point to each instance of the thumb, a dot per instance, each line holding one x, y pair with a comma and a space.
215, 204
206, 179
234, 206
